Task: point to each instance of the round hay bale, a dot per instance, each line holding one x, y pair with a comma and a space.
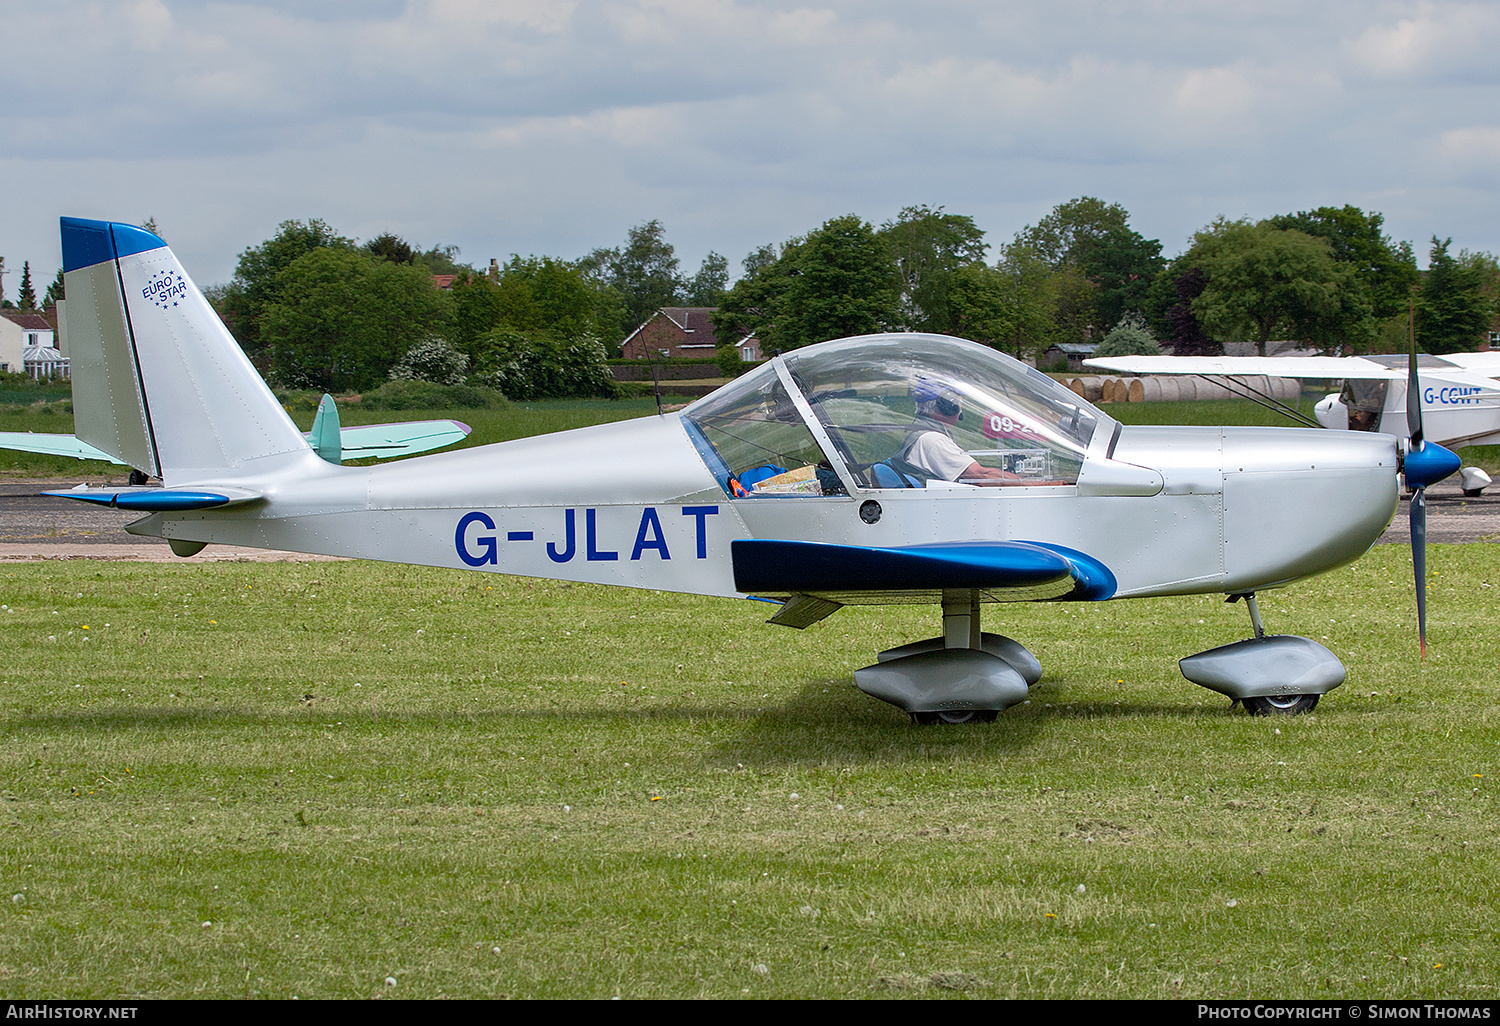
1075, 385
1211, 390
1135, 392
1150, 391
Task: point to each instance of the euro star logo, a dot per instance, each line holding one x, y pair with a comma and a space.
165, 289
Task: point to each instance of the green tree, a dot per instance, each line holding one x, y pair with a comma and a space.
439, 260
1264, 281
55, 292
341, 320
432, 359
844, 284
1096, 238
256, 284
1487, 269
928, 247
643, 273
477, 308
1451, 314
387, 246
26, 300
1130, 337
541, 364
1387, 272
756, 304
708, 286
530, 294
1046, 304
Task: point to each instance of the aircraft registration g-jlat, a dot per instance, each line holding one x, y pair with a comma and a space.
893, 468
1459, 394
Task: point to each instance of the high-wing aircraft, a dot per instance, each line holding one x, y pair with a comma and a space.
893, 468
1459, 393
327, 438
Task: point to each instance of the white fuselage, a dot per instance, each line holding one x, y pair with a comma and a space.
633, 504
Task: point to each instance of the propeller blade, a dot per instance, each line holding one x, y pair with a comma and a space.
1413, 386
1414, 403
1418, 514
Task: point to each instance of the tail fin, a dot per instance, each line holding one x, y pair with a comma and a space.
158, 381
326, 438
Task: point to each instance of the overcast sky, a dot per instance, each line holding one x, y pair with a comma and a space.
553, 126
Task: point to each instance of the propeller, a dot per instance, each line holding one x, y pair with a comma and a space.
1423, 465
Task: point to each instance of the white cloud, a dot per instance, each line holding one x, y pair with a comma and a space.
1443, 40
554, 125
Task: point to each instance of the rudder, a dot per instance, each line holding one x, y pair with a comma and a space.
158, 380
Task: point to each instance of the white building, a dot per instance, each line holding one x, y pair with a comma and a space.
29, 345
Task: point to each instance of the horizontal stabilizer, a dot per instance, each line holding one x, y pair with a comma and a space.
855, 574
370, 441
386, 440
157, 500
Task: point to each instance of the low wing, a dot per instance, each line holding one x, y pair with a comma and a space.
813, 579
1275, 366
54, 445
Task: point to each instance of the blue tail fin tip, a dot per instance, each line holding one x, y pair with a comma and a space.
86, 243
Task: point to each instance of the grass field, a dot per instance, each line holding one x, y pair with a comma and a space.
235, 780
231, 780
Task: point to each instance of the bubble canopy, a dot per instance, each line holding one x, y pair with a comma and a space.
855, 412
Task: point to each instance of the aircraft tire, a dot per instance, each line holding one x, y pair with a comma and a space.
955, 718
1281, 705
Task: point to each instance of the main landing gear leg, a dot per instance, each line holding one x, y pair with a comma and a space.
1277, 675
965, 676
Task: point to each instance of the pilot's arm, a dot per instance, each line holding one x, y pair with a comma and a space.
978, 474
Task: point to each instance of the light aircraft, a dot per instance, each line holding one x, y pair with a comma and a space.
797, 483
1459, 394
330, 441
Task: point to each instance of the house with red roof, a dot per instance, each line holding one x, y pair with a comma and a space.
673, 331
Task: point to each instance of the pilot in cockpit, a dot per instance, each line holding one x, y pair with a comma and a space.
929, 448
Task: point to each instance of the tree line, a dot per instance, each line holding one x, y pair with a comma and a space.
314, 309
1327, 278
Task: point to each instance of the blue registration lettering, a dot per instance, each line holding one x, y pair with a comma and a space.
701, 512
569, 534
650, 523
593, 549
486, 543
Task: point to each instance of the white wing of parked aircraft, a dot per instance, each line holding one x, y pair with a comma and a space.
1460, 399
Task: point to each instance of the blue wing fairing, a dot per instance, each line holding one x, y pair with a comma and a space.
1017, 570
